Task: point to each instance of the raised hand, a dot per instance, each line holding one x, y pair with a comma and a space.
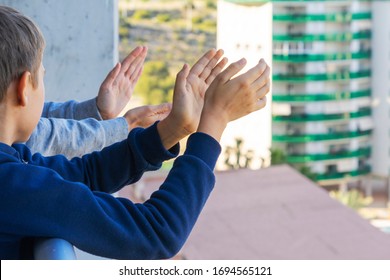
188, 98
228, 99
116, 90
145, 116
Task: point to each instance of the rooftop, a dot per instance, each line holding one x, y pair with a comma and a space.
276, 213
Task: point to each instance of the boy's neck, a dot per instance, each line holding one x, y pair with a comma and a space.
8, 120
6, 131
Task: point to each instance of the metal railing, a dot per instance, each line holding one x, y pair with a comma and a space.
53, 249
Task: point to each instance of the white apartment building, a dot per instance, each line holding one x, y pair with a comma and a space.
246, 31
331, 82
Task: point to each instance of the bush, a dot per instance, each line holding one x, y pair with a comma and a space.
163, 17
197, 20
278, 156
123, 32
155, 85
211, 4
352, 198
142, 14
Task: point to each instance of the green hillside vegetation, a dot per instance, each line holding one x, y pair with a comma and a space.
176, 32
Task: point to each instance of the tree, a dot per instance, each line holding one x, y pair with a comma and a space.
306, 171
352, 198
236, 157
278, 156
156, 84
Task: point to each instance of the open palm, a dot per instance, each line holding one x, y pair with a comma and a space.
117, 89
191, 85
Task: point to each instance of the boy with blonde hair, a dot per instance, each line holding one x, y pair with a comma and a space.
54, 197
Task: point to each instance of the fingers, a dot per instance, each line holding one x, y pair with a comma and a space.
136, 77
202, 63
216, 70
132, 56
132, 64
254, 73
181, 79
204, 74
261, 103
154, 113
161, 109
113, 74
182, 75
232, 70
263, 90
262, 79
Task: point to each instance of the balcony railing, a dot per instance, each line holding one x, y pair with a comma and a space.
364, 112
298, 78
338, 37
337, 17
343, 175
259, 2
53, 249
301, 158
303, 138
302, 97
301, 58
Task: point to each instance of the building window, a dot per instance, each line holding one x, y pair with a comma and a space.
308, 46
290, 88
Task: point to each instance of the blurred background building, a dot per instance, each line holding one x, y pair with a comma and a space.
330, 93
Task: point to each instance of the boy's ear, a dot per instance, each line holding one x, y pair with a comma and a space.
23, 88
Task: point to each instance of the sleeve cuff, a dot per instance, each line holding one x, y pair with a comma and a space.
87, 109
149, 141
205, 147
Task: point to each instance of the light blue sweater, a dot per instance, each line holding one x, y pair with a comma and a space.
74, 129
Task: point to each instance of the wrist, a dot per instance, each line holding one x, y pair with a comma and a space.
131, 121
102, 114
170, 132
212, 123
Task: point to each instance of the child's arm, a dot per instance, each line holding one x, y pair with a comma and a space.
114, 93
98, 223
228, 98
116, 90
115, 166
73, 138
188, 98
72, 110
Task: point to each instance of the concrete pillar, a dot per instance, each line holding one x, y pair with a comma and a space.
81, 43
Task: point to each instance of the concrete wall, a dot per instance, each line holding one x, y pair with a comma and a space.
81, 43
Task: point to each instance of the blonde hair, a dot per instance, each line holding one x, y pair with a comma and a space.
21, 48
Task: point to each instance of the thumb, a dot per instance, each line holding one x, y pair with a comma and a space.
182, 76
113, 73
183, 73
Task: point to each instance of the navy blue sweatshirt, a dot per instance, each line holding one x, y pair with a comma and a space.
54, 197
